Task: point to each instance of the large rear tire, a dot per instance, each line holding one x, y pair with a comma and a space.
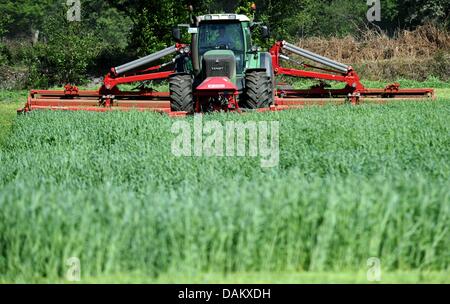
258, 90
180, 88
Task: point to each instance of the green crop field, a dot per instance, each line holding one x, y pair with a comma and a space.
352, 183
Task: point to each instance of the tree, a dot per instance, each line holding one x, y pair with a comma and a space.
25, 16
153, 20
64, 53
408, 14
282, 24
246, 7
418, 12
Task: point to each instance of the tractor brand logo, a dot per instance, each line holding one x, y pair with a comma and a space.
219, 68
232, 138
216, 86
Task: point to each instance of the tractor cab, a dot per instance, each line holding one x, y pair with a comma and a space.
223, 42
220, 43
227, 71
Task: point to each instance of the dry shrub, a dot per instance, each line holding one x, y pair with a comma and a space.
412, 54
13, 77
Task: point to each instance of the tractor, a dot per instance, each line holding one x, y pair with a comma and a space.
224, 70
221, 70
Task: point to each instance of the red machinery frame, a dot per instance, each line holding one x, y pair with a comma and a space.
351, 78
354, 91
109, 97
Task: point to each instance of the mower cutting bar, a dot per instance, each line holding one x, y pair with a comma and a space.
365, 93
93, 105
400, 93
144, 60
62, 95
314, 101
315, 57
95, 101
99, 109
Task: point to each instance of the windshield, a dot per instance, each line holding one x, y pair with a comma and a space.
226, 36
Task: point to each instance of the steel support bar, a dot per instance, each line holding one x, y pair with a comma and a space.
310, 101
315, 57
155, 103
319, 92
352, 81
144, 60
111, 82
94, 109
426, 92
59, 93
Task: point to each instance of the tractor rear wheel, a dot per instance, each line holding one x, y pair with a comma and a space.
258, 90
181, 98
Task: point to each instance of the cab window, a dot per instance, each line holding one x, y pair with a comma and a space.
217, 35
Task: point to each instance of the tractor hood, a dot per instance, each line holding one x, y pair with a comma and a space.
217, 63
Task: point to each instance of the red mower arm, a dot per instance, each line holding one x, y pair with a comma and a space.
337, 71
118, 74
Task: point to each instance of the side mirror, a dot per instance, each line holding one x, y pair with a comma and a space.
176, 34
265, 33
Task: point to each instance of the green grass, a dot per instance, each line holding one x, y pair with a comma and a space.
9, 103
411, 277
352, 183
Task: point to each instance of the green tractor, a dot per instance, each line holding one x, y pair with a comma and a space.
223, 55
221, 70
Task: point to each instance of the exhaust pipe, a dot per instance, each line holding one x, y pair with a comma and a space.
144, 60
315, 57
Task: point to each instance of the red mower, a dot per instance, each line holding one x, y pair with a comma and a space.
221, 70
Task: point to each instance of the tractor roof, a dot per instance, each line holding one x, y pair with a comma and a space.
223, 17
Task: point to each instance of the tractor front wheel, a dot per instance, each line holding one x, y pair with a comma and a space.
258, 90
181, 98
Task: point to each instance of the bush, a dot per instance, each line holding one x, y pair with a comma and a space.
441, 65
3, 49
415, 55
64, 56
12, 77
4, 54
